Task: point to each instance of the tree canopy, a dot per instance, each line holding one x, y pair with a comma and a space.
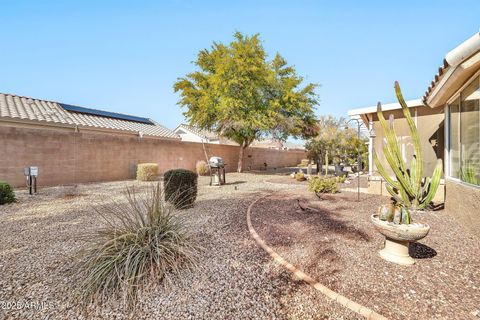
239, 94
336, 142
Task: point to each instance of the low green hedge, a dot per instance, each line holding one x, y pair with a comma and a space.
180, 187
6, 193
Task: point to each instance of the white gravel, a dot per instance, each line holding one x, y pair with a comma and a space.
235, 279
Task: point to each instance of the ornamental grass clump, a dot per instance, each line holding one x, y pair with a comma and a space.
202, 168
147, 171
142, 243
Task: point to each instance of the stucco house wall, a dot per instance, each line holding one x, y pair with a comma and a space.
430, 125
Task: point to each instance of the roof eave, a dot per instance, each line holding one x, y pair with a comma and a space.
385, 107
451, 75
451, 81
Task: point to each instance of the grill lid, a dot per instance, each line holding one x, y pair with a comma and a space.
216, 162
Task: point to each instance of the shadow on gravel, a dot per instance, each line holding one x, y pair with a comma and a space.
326, 220
235, 182
421, 251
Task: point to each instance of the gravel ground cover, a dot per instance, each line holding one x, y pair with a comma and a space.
338, 246
352, 181
235, 278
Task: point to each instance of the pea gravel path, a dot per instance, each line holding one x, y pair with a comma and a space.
235, 280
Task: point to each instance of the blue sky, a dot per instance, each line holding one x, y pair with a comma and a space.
124, 56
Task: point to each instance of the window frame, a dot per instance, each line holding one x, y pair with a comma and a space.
448, 162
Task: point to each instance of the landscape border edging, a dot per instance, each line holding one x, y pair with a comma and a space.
335, 296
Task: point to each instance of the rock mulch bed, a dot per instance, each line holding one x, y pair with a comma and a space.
338, 247
235, 279
351, 184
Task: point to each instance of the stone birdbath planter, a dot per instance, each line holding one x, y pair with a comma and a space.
397, 239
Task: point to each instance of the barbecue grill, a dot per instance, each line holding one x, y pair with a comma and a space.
216, 162
217, 167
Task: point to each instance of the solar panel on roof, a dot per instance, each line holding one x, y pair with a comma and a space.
105, 114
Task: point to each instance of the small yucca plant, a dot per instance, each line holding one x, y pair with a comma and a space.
142, 243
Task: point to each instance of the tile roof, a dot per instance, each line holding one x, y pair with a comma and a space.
23, 108
293, 146
205, 134
453, 59
436, 79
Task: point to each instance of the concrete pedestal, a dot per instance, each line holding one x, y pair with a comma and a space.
396, 252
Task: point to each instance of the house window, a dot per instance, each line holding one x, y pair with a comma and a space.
464, 135
455, 139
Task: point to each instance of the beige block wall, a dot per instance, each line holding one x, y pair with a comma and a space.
66, 157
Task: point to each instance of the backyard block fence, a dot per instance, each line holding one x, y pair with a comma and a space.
66, 157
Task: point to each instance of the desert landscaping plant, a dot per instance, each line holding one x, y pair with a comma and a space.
181, 187
142, 243
300, 176
469, 174
304, 163
409, 188
322, 185
202, 168
238, 93
7, 194
336, 142
147, 171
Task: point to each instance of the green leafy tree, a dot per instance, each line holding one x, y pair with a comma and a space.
239, 94
335, 142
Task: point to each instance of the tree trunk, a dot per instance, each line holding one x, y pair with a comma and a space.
240, 158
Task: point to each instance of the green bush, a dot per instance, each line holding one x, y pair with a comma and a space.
202, 168
321, 185
341, 179
181, 187
6, 193
142, 242
304, 163
300, 176
147, 171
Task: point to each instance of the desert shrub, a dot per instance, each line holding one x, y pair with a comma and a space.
201, 168
181, 187
147, 171
321, 185
142, 243
304, 163
6, 193
300, 176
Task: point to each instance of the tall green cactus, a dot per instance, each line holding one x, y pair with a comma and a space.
409, 188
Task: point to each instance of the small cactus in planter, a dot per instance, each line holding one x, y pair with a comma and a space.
410, 190
394, 213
